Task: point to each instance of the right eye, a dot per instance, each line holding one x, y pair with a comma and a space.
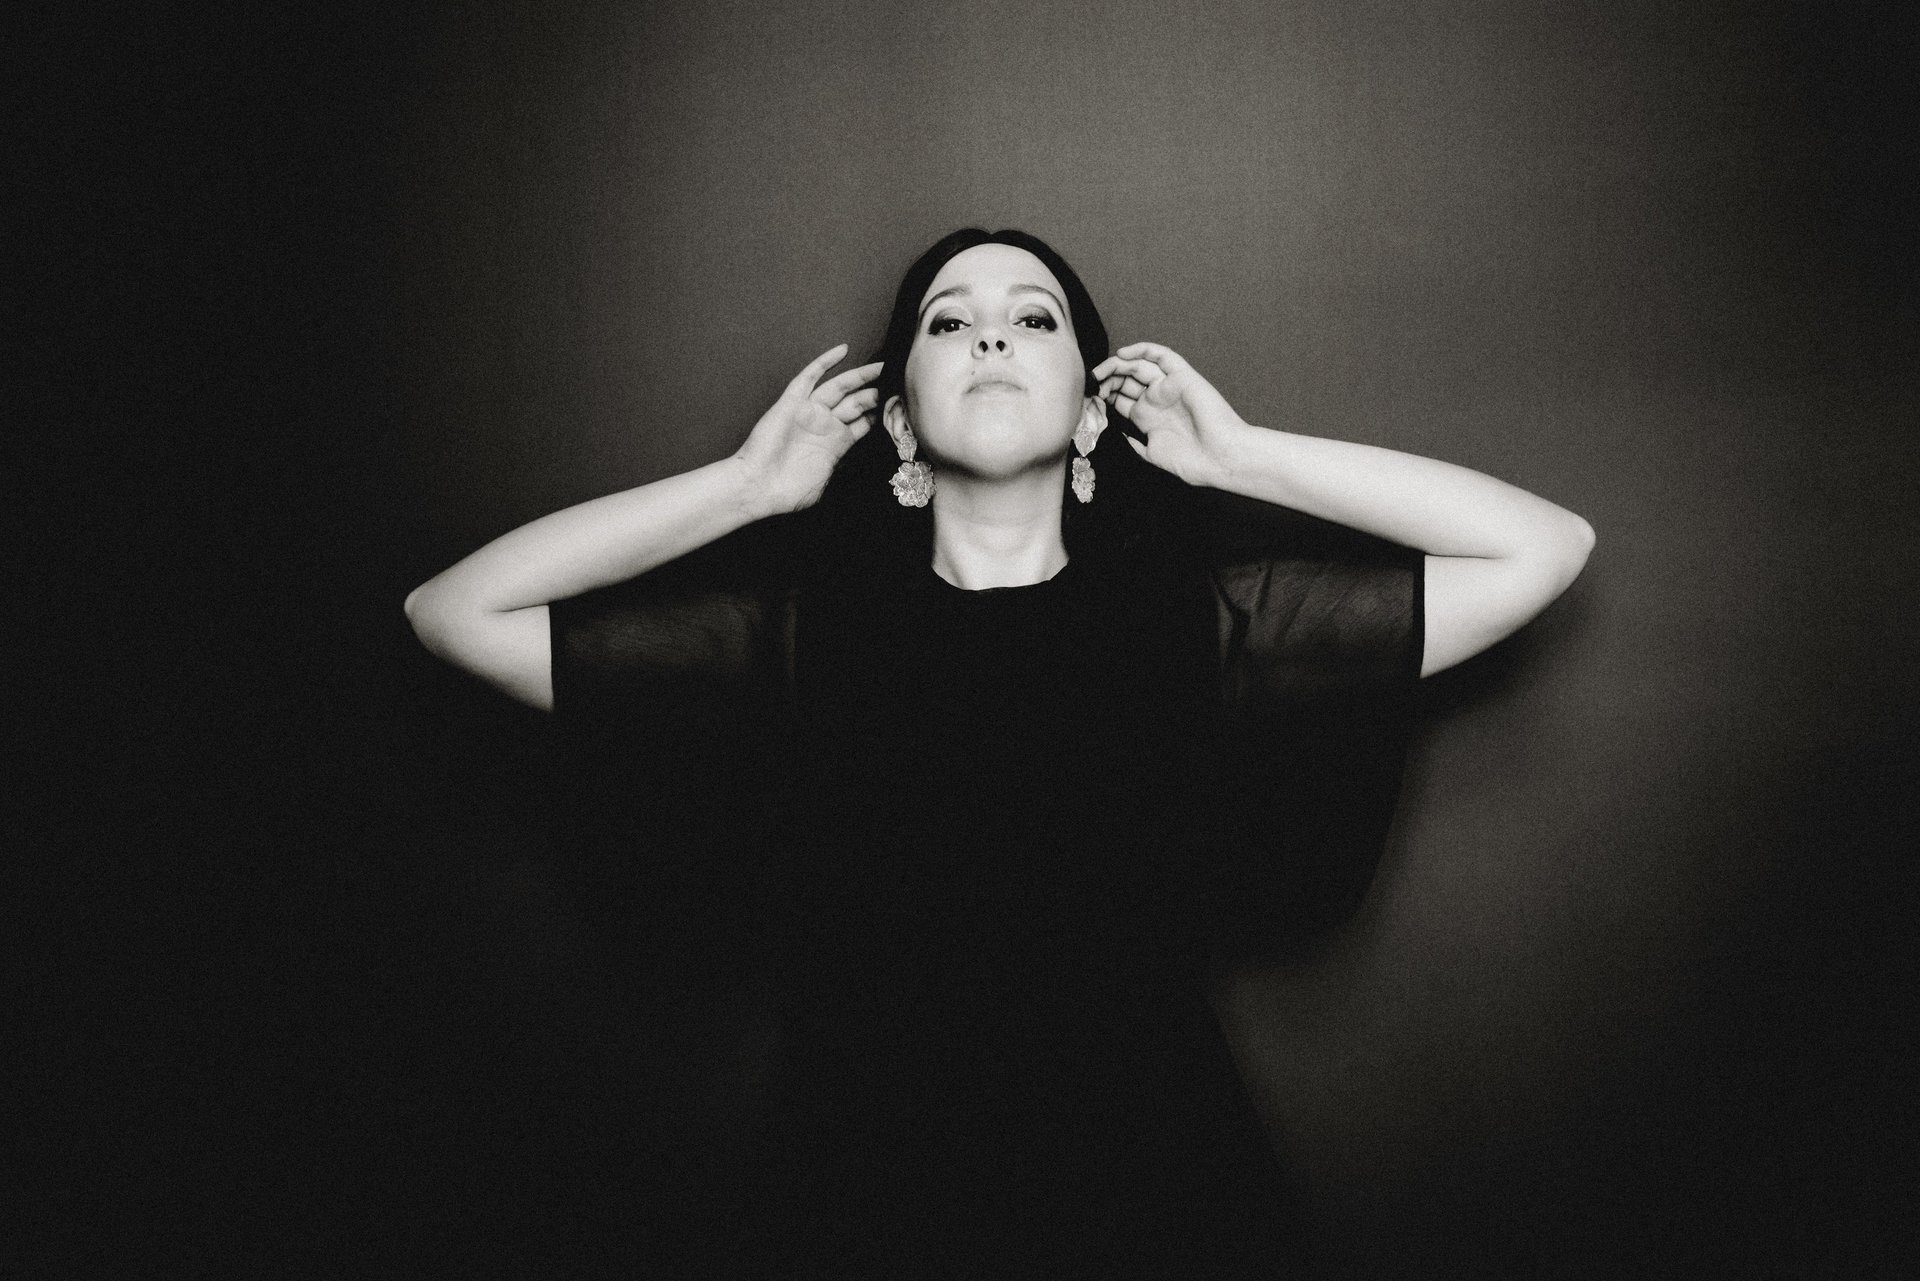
945, 325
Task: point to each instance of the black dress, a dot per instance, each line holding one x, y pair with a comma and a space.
999, 833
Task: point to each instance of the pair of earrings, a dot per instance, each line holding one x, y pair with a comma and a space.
913, 481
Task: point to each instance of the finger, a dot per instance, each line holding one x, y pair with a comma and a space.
842, 383
1104, 368
857, 404
1151, 352
1166, 357
860, 426
1145, 370
1126, 384
1138, 448
804, 380
1124, 404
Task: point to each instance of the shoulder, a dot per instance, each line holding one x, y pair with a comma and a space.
716, 624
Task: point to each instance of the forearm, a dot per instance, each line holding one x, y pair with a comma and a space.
1437, 507
606, 540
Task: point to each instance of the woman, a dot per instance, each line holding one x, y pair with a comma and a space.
1020, 754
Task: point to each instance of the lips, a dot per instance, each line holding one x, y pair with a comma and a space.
995, 384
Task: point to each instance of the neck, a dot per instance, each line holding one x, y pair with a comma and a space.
997, 533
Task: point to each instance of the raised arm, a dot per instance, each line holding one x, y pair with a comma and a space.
488, 613
1496, 555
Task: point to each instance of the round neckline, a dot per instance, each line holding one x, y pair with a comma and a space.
1039, 586
999, 593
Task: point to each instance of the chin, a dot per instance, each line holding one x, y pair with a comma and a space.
1002, 449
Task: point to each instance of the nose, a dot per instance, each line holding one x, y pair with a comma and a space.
991, 342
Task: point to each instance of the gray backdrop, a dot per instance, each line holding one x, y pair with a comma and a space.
350, 293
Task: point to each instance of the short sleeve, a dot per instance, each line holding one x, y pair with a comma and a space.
1320, 630
1313, 613
673, 714
709, 635
672, 724
629, 651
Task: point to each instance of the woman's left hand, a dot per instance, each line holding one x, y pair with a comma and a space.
1189, 426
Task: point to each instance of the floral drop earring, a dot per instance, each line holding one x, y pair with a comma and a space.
1084, 439
913, 482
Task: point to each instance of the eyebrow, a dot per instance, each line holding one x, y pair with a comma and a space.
963, 290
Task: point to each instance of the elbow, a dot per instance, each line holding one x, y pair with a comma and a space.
1572, 547
427, 614
1581, 538
1583, 535
415, 605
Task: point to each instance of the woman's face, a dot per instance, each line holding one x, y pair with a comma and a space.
994, 381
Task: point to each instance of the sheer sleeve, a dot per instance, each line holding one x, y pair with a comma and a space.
1312, 613
673, 715
710, 633
672, 729
1320, 630
667, 643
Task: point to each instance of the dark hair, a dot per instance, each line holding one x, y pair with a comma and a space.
1130, 494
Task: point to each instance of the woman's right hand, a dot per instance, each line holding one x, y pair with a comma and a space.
795, 446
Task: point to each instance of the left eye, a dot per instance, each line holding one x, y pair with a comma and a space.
1038, 321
